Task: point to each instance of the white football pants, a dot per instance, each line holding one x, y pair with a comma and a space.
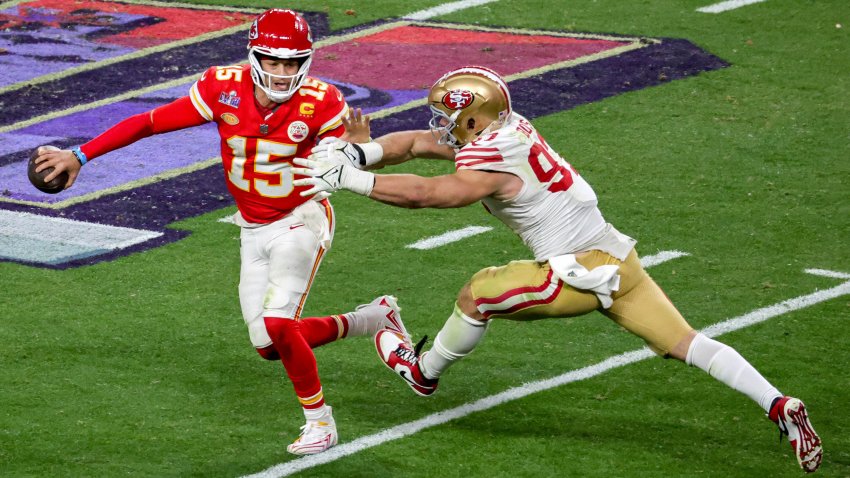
279, 262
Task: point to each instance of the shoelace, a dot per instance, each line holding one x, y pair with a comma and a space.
408, 355
309, 426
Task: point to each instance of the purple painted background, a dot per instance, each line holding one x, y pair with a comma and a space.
154, 206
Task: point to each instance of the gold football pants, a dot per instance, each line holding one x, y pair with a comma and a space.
528, 290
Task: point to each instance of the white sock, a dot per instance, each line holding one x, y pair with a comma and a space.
459, 335
725, 364
322, 413
356, 324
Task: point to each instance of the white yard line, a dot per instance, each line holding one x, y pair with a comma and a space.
410, 428
448, 237
662, 256
727, 5
445, 9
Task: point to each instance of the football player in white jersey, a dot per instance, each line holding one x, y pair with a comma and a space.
581, 262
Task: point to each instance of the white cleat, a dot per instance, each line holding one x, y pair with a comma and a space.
316, 437
383, 313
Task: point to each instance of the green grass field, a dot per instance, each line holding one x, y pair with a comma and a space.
142, 366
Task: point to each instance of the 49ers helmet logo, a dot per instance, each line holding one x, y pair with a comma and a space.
458, 99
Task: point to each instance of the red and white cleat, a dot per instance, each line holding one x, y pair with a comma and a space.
790, 415
403, 359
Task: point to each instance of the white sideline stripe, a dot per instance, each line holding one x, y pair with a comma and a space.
444, 9
406, 429
727, 5
51, 240
448, 237
438, 418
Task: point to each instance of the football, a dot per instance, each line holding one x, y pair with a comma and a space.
37, 179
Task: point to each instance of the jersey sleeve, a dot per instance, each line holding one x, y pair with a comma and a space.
333, 110
204, 93
494, 152
176, 115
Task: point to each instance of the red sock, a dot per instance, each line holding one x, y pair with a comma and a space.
298, 360
318, 331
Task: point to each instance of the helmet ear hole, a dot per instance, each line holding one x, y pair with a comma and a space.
470, 124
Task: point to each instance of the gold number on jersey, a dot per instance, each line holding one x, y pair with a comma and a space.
270, 178
313, 87
224, 73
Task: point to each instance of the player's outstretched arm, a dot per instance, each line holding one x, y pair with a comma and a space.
403, 146
405, 190
449, 191
393, 148
176, 115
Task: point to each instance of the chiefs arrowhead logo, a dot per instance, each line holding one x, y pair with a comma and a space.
458, 99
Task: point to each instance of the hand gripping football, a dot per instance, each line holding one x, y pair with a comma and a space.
37, 179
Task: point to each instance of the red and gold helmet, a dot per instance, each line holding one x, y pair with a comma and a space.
466, 103
282, 34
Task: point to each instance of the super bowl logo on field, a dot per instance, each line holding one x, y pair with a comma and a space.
121, 209
458, 99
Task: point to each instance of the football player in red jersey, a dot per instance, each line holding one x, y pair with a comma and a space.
581, 262
268, 112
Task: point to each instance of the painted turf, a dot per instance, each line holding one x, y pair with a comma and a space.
617, 361
184, 183
54, 240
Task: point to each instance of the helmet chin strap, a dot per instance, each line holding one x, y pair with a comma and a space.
490, 128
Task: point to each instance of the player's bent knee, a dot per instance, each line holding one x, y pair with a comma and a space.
279, 330
268, 353
466, 302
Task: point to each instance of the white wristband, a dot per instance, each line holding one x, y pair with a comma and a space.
372, 152
357, 181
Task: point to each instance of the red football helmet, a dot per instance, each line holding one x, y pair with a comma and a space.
280, 34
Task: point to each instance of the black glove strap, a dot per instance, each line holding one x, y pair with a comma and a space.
360, 153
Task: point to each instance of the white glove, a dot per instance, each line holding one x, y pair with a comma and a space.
359, 155
332, 175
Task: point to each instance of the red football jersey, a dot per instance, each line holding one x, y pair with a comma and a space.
257, 150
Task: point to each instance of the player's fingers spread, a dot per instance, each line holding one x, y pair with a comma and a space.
318, 155
302, 172
309, 192
305, 162
43, 155
51, 176
43, 163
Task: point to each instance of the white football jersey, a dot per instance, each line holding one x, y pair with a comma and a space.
556, 210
